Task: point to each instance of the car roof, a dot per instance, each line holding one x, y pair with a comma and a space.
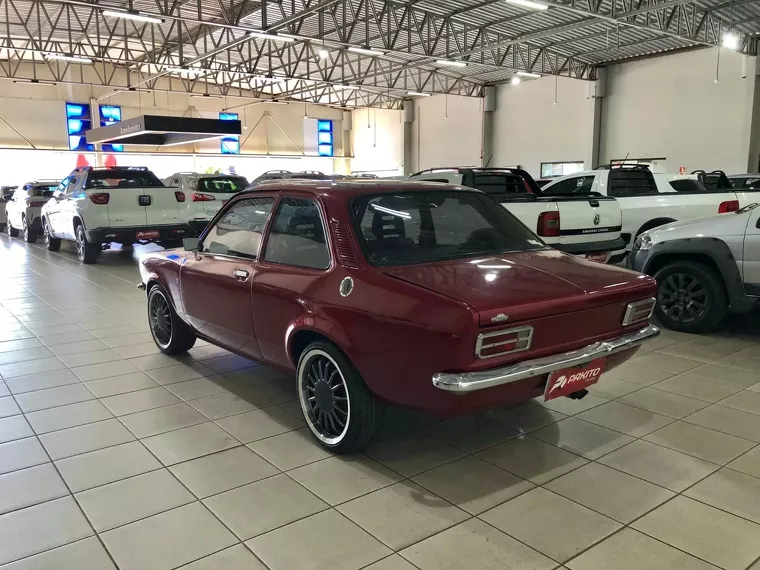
337, 189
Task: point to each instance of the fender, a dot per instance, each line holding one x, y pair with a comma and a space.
316, 323
655, 223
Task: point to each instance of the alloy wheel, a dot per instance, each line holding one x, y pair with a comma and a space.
683, 298
160, 319
324, 397
80, 245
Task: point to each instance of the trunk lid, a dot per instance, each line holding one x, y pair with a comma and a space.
126, 209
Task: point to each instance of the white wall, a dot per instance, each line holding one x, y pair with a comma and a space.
447, 131
378, 141
669, 107
529, 128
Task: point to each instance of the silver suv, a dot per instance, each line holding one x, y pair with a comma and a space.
704, 268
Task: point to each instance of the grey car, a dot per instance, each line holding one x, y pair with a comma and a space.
704, 268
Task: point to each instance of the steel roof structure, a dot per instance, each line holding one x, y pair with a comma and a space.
348, 52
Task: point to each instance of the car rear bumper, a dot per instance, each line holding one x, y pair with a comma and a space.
470, 381
129, 234
591, 247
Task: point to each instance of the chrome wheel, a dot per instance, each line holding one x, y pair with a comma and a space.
324, 397
683, 298
80, 244
160, 320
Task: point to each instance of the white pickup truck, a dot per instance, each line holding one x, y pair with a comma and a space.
581, 225
649, 200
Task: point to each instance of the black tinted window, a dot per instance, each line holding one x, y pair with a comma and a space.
222, 184
238, 232
499, 183
631, 182
122, 178
575, 185
418, 227
687, 185
297, 236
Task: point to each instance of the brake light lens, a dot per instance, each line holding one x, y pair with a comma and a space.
180, 196
203, 197
548, 224
728, 206
499, 343
100, 198
638, 311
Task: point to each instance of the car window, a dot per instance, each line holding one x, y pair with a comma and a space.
420, 227
222, 184
500, 183
627, 182
575, 185
297, 235
122, 178
238, 232
67, 185
688, 185
751, 183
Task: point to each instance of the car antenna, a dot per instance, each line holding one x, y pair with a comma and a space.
626, 158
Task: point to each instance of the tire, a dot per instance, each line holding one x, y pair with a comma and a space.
341, 412
30, 236
690, 297
51, 243
12, 232
86, 252
170, 333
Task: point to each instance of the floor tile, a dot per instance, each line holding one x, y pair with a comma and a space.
139, 401
665, 403
702, 351
4, 391
704, 443
90, 358
20, 454
340, 479
601, 489
290, 450
8, 407
188, 443
87, 554
24, 355
107, 465
104, 370
726, 375
22, 344
392, 562
153, 361
31, 486
589, 440
120, 384
222, 471
179, 373
53, 397
161, 420
235, 558
14, 427
42, 381
28, 367
310, 544
551, 524
223, 405
412, 453
127, 340
259, 424
746, 401
135, 350
63, 417
626, 419
728, 420
471, 433
66, 338
77, 347
41, 527
402, 514
610, 388
81, 439
571, 407
705, 532
632, 550
229, 363
730, 491
695, 387
168, 540
106, 332
747, 463
525, 418
659, 465
633, 373
200, 387
664, 362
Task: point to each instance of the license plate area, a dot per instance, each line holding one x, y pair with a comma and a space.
147, 234
144, 200
598, 257
568, 380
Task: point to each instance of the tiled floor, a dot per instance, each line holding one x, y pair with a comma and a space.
115, 456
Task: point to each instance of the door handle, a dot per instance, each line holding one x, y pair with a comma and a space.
240, 274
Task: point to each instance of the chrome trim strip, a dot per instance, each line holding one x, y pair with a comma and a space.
469, 381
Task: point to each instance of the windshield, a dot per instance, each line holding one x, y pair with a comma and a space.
122, 178
43, 190
222, 184
420, 227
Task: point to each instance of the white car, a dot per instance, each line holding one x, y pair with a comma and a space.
588, 226
23, 210
6, 194
648, 200
204, 194
123, 204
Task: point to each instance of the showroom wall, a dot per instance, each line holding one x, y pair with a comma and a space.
377, 141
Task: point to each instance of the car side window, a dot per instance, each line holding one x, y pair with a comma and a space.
575, 185
297, 235
238, 232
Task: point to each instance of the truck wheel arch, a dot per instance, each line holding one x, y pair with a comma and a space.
655, 223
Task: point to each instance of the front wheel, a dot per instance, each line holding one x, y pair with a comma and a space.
86, 252
341, 412
30, 236
12, 232
170, 333
51, 243
690, 297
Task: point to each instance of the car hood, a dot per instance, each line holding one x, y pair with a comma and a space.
713, 226
526, 285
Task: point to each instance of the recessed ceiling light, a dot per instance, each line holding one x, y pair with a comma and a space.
35, 81
69, 58
365, 51
528, 4
136, 16
324, 54
515, 80
528, 74
417, 94
451, 63
731, 40
273, 37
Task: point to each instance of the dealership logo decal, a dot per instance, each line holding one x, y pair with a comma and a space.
564, 380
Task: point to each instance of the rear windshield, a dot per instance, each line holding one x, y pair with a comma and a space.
118, 178
419, 227
500, 183
40, 190
688, 185
631, 182
222, 184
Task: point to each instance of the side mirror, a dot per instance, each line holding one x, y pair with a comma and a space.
190, 244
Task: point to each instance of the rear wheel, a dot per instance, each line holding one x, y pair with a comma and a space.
170, 333
30, 236
13, 232
86, 252
690, 297
341, 412
52, 244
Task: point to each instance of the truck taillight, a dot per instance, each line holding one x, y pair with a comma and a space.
100, 198
180, 196
37, 204
500, 343
548, 224
197, 197
728, 206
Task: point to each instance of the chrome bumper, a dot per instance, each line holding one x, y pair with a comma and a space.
470, 381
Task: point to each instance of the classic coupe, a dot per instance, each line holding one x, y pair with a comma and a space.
415, 294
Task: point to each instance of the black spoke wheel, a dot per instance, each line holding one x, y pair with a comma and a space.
170, 333
690, 297
51, 243
160, 317
341, 412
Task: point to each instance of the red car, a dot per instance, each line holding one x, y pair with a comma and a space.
418, 294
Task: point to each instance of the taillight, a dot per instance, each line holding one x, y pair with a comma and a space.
37, 204
499, 343
180, 196
548, 224
638, 311
202, 197
100, 198
728, 206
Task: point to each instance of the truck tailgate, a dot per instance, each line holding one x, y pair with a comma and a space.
142, 207
163, 209
587, 219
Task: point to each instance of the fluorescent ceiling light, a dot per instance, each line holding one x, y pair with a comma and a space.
186, 70
274, 37
451, 63
528, 74
35, 81
205, 96
731, 40
528, 4
365, 51
69, 58
136, 16
324, 54
345, 87
515, 80
417, 94
132, 90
